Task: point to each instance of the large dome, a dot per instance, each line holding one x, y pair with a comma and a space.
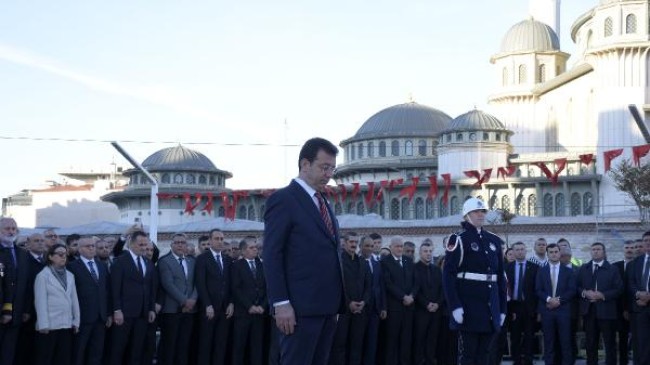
476, 120
403, 120
530, 36
179, 158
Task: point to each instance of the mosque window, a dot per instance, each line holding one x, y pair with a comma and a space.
494, 202
429, 209
497, 136
178, 179
361, 210
559, 205
459, 137
472, 136
630, 24
190, 179
422, 147
405, 209
442, 209
373, 209
486, 136
541, 73
382, 210
350, 209
576, 204
448, 137
382, 149
588, 204
203, 180
251, 212
522, 74
504, 77
213, 181
531, 172
408, 148
532, 205
338, 210
241, 212
505, 202
352, 152
165, 178
548, 205
419, 208
394, 209
609, 27
394, 148
371, 149
520, 205
263, 210
519, 172
454, 205
222, 212
360, 150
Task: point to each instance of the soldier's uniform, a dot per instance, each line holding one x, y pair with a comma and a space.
474, 280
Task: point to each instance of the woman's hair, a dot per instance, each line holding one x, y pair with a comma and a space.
50, 251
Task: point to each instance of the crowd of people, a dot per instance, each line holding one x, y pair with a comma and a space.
116, 300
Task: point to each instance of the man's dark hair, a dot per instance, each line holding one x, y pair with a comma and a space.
310, 149
552, 245
375, 236
71, 238
599, 244
425, 244
243, 244
629, 242
518, 243
564, 240
204, 238
647, 233
409, 243
350, 235
214, 230
137, 234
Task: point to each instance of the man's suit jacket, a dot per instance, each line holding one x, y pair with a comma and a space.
429, 279
635, 281
34, 268
300, 255
609, 283
565, 289
400, 281
530, 275
378, 292
93, 295
131, 293
213, 283
19, 289
624, 300
356, 279
248, 289
175, 285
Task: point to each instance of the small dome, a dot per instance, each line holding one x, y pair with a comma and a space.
530, 36
179, 158
403, 120
476, 120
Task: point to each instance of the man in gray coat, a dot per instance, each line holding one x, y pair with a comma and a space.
176, 272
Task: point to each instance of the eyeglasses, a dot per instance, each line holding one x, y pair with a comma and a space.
88, 246
327, 168
51, 236
180, 242
61, 254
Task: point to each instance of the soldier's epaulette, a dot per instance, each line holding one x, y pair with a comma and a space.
7, 307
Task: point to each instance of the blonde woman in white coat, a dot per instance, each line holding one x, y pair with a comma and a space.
57, 310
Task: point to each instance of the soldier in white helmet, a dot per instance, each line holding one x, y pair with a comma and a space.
474, 284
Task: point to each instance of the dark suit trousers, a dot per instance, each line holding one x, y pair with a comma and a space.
127, 341
427, 326
175, 333
213, 339
641, 327
594, 327
54, 348
371, 339
88, 344
399, 332
26, 340
9, 340
522, 333
447, 343
248, 338
557, 326
347, 348
311, 342
623, 330
474, 347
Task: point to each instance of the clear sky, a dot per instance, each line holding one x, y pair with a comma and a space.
231, 74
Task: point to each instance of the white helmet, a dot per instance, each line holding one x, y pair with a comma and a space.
473, 204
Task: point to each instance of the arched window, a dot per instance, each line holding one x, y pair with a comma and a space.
352, 152
443, 209
361, 210
373, 208
203, 180
486, 136
504, 77
494, 202
382, 209
588, 204
520, 205
241, 212
405, 209
360, 147
559, 205
382, 149
454, 205
338, 210
394, 148
522, 74
429, 209
459, 137
178, 179
408, 148
165, 178
350, 209
222, 212
576, 204
608, 27
630, 24
419, 208
548, 205
371, 149
251, 212
190, 179
541, 73
505, 202
532, 205
422, 148
263, 210
213, 181
394, 209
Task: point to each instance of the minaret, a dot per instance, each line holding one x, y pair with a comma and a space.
546, 11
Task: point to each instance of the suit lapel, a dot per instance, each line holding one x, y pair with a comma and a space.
308, 205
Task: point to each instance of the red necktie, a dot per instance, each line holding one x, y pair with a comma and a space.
325, 214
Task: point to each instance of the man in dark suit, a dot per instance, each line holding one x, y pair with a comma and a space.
599, 285
133, 298
251, 305
93, 287
522, 309
351, 325
639, 290
428, 301
624, 302
303, 271
401, 286
376, 306
212, 275
176, 273
555, 287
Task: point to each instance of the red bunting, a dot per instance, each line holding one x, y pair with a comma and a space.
209, 205
638, 152
166, 196
410, 190
344, 192
356, 189
394, 183
504, 172
189, 207
560, 164
445, 197
609, 156
267, 192
587, 158
480, 179
383, 185
370, 195
331, 193
225, 201
433, 188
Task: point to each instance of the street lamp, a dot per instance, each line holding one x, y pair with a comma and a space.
153, 220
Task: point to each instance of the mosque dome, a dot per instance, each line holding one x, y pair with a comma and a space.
476, 120
530, 35
179, 158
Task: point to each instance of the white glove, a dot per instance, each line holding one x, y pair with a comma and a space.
503, 319
458, 315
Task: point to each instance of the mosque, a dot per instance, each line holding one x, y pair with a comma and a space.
542, 149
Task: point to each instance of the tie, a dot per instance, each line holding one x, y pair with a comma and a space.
180, 262
646, 272
370, 265
325, 214
553, 279
93, 273
13, 256
40, 259
218, 258
400, 262
140, 266
253, 268
595, 276
520, 279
